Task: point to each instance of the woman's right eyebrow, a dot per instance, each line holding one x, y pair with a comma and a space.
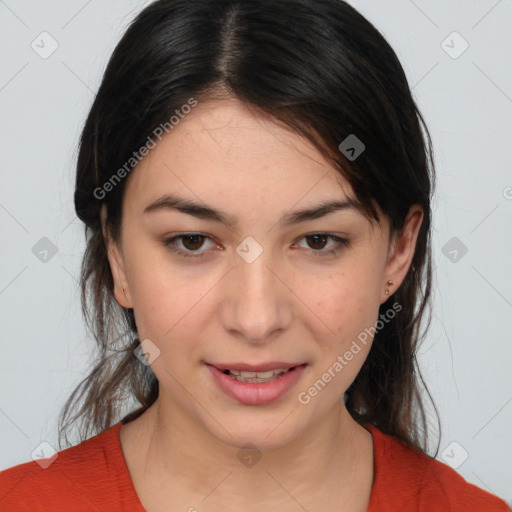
202, 211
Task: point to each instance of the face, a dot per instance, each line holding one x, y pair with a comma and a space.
238, 280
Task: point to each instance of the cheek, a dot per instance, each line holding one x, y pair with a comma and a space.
349, 314
168, 299
347, 302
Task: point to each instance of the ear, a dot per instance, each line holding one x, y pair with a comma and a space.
117, 267
402, 250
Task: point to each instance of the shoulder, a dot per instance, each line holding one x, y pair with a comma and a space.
416, 481
77, 478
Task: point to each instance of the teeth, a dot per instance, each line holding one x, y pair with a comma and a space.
258, 375
267, 376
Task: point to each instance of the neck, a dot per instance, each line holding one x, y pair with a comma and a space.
335, 452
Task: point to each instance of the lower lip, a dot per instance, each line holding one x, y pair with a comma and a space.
258, 393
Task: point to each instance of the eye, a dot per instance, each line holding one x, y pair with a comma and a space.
318, 242
191, 242
188, 245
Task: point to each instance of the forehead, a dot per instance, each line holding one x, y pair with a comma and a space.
225, 153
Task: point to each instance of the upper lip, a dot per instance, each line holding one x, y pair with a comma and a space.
262, 367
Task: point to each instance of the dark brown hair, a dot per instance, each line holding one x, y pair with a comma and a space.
320, 69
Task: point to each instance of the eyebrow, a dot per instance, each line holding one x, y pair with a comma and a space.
173, 202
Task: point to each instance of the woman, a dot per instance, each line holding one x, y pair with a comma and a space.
256, 188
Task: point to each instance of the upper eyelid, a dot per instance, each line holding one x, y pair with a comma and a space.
176, 238
210, 237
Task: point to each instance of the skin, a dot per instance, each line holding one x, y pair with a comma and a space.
287, 305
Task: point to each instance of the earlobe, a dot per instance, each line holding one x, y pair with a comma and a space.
402, 251
117, 268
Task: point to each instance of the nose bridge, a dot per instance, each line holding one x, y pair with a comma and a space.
257, 305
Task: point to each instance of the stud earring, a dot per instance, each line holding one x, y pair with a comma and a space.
387, 289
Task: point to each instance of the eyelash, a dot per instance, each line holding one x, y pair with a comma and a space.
169, 242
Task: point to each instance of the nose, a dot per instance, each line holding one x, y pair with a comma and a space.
257, 305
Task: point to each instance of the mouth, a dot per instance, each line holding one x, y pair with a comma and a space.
257, 385
257, 377
254, 374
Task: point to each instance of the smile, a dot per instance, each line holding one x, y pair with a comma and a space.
256, 386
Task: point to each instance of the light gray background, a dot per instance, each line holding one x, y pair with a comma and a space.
467, 103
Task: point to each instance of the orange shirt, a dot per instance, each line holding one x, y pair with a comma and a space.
93, 476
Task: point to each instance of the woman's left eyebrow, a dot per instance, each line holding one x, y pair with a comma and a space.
202, 211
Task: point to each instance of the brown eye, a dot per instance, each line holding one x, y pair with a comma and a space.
318, 241
193, 242
188, 245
